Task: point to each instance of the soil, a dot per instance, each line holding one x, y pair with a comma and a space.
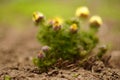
18, 47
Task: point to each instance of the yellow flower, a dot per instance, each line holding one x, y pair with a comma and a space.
59, 20
95, 21
73, 28
55, 20
56, 23
57, 26
82, 12
37, 17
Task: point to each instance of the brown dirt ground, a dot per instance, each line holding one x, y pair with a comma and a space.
17, 47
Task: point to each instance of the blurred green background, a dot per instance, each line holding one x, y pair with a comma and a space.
18, 13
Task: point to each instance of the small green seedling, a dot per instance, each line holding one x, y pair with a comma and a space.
7, 77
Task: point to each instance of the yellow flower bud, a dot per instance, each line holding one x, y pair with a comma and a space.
56, 26
82, 12
73, 28
95, 21
59, 20
56, 23
37, 17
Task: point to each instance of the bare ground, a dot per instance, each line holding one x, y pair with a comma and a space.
17, 47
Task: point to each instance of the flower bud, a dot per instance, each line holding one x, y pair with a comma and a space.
56, 23
83, 53
95, 21
50, 22
59, 20
55, 20
38, 17
82, 12
45, 48
73, 28
104, 48
56, 26
41, 55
